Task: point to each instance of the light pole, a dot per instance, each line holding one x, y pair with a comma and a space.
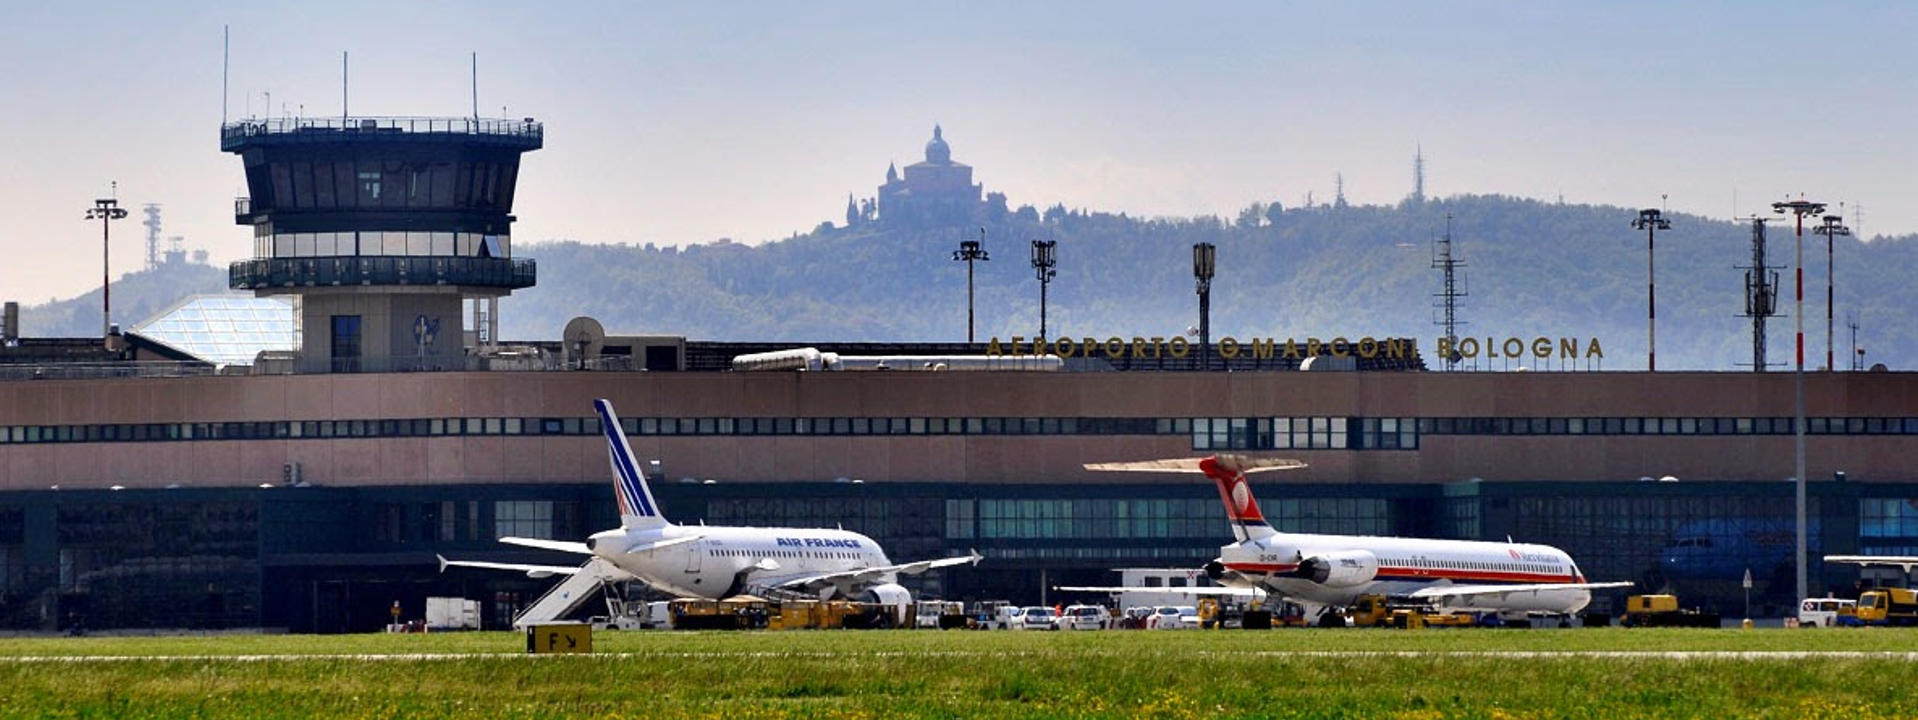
1045, 255
1799, 209
1651, 222
1204, 261
970, 250
1830, 229
106, 210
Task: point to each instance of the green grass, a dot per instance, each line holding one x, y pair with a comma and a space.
849, 674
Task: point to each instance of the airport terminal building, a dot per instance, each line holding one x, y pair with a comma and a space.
142, 487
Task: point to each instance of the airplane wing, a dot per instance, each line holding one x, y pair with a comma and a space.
864, 575
1239, 592
607, 571
578, 548
1242, 463
1447, 592
1904, 562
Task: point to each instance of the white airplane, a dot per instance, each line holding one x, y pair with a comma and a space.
715, 561
1334, 570
1902, 562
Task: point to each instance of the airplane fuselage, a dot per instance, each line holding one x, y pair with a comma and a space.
1364, 565
725, 561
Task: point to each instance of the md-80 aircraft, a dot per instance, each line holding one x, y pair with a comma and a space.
716, 561
1334, 570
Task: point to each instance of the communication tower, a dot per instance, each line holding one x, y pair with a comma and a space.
381, 228
1418, 174
1450, 291
152, 224
1761, 293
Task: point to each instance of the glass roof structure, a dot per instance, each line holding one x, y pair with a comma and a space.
224, 329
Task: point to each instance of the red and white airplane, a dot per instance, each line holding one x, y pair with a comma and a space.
1334, 570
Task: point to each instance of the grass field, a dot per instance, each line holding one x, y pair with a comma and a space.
847, 674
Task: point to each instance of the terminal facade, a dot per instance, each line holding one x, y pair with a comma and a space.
314, 501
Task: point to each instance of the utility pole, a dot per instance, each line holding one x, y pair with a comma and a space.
1831, 229
1799, 209
106, 210
1204, 262
970, 250
1045, 255
1651, 221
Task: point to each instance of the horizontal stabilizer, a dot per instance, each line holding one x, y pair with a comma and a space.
650, 546
578, 548
1241, 463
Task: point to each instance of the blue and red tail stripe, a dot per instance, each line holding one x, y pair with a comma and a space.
633, 500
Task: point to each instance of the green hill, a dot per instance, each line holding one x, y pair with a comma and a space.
1533, 269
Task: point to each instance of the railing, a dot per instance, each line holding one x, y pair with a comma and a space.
99, 370
264, 273
525, 128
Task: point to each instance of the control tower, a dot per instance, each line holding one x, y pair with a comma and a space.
379, 228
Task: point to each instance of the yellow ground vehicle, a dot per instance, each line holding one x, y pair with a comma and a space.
1885, 606
1664, 611
742, 612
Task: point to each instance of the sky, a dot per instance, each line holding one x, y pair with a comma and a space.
676, 123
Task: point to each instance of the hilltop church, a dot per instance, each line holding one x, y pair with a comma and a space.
936, 191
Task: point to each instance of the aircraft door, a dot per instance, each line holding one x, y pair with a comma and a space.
697, 551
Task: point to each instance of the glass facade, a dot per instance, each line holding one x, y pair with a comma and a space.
225, 329
335, 559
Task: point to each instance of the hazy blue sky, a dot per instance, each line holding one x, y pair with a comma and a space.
681, 123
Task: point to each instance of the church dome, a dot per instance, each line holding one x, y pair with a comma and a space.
936, 150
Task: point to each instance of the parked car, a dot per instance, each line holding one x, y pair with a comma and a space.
1036, 618
1085, 617
1168, 617
1137, 617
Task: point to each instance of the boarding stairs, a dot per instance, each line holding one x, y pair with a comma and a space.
567, 596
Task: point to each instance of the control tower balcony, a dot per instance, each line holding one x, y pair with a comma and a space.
474, 275
520, 135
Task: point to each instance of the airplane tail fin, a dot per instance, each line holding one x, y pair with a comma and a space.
637, 510
1248, 523
1226, 471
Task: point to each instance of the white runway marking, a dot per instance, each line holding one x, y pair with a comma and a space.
1681, 655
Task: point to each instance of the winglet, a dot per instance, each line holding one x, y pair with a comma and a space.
442, 562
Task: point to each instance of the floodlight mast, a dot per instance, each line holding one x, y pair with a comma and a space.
1650, 220
1799, 209
1831, 229
970, 250
106, 210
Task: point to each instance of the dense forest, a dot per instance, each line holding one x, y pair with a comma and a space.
1531, 268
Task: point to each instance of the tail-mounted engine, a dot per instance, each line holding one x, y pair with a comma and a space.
1340, 569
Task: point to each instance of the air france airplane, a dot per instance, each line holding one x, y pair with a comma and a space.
716, 561
1334, 570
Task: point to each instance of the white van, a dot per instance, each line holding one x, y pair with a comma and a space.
1824, 612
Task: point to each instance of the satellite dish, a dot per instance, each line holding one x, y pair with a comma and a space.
583, 337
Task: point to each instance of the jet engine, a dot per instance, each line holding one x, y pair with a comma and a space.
894, 605
1340, 569
891, 594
